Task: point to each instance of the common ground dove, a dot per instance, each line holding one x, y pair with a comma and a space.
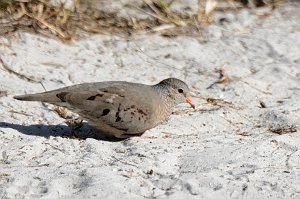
119, 108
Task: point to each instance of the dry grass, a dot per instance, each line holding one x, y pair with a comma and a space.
284, 129
56, 21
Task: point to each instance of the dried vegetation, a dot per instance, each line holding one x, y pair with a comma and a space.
57, 21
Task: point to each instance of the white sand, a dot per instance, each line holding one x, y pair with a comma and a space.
203, 156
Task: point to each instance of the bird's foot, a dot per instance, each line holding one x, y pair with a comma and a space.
75, 125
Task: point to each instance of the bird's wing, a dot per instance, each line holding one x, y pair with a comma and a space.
124, 109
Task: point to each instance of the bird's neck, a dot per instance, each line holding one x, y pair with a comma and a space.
168, 103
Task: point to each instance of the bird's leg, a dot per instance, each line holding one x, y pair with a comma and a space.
74, 125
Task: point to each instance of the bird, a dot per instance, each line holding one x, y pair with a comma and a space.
119, 108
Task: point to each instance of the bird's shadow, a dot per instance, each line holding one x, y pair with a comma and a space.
86, 131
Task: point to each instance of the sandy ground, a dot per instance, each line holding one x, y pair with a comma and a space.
225, 150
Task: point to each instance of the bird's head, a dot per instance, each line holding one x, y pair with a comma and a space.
177, 90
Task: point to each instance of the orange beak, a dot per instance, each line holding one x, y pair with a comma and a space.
189, 100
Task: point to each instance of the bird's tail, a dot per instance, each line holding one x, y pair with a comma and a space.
41, 97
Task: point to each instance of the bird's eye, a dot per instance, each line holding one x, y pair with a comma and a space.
180, 90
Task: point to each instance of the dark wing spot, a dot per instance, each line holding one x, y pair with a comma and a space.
142, 112
62, 96
105, 112
117, 113
105, 91
91, 98
118, 119
132, 106
94, 97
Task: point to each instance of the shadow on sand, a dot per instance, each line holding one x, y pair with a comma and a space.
86, 131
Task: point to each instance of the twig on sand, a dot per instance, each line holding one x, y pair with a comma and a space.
210, 101
11, 71
39, 165
4, 174
184, 111
119, 160
223, 78
18, 112
220, 102
284, 129
54, 147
